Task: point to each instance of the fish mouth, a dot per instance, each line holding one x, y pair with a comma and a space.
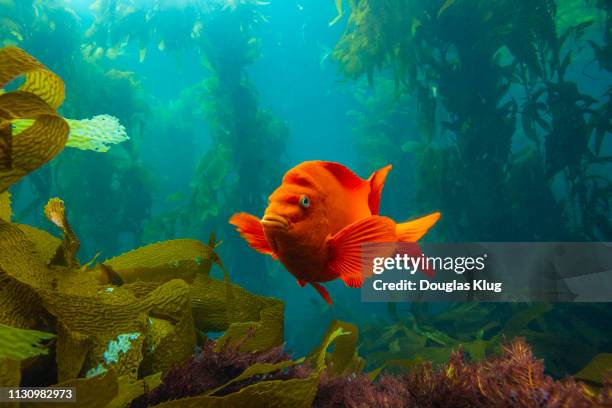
273, 221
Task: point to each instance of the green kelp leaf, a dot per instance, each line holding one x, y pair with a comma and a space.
521, 319
163, 261
340, 13
347, 348
597, 369
5, 206
476, 349
344, 355
445, 7
403, 363
20, 344
257, 369
295, 393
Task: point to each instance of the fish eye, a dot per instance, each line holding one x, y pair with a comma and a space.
304, 201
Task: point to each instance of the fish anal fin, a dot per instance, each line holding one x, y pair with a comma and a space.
322, 291
345, 247
377, 182
413, 250
251, 230
412, 231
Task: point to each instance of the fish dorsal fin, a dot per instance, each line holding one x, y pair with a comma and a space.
251, 230
344, 175
345, 257
377, 182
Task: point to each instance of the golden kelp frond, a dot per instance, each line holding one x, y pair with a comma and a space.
20, 260
34, 146
170, 334
19, 305
97, 133
39, 80
255, 322
129, 390
93, 392
46, 244
298, 393
112, 325
257, 369
21, 272
5, 206
66, 255
6, 144
10, 373
597, 370
345, 337
163, 261
20, 344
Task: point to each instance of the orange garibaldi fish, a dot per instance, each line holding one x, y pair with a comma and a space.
317, 219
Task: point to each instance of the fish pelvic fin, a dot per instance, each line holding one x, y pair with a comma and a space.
322, 291
412, 231
377, 182
345, 247
251, 230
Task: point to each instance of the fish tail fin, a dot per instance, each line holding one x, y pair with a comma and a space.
377, 182
322, 291
412, 231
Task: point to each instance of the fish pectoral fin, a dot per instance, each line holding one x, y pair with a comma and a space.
301, 282
377, 182
345, 257
251, 230
412, 231
322, 291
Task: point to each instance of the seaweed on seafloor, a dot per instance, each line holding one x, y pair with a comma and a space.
513, 378
209, 369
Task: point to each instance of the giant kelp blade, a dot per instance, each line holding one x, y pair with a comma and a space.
92, 392
254, 323
344, 336
37, 144
5, 206
163, 261
36, 99
598, 368
297, 393
38, 79
257, 369
55, 211
19, 344
6, 144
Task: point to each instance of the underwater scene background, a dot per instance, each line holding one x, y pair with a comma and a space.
497, 113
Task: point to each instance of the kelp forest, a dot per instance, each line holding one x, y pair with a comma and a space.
132, 130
